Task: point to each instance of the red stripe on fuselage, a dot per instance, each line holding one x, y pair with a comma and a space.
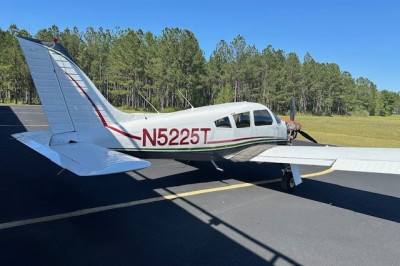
235, 140
99, 113
124, 133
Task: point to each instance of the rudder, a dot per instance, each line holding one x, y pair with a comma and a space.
69, 98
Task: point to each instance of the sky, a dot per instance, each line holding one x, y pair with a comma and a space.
362, 37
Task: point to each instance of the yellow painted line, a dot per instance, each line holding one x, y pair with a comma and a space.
217, 189
143, 201
327, 171
241, 185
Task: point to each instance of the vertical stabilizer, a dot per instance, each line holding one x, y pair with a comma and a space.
69, 98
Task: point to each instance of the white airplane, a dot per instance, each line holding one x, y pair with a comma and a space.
88, 136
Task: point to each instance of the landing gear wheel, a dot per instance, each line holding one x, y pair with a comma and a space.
287, 182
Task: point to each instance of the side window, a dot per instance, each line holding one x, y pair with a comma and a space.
262, 118
242, 119
223, 122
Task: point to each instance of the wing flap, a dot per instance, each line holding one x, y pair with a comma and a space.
374, 160
84, 159
295, 155
248, 153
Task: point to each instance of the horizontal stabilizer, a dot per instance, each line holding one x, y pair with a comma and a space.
372, 160
84, 159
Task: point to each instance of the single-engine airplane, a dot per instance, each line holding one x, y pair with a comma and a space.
88, 136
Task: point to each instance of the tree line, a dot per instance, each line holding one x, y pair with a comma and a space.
129, 66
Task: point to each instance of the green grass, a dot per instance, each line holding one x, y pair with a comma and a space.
371, 131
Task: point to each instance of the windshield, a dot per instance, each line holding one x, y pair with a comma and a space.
278, 120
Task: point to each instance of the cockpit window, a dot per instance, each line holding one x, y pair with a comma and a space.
223, 122
262, 118
242, 119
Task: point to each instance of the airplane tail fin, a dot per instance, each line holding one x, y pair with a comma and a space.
72, 103
69, 98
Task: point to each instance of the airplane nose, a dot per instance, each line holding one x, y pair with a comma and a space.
283, 131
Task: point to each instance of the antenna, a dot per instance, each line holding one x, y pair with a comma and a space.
148, 102
185, 99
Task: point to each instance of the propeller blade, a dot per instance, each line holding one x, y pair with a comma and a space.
305, 135
292, 109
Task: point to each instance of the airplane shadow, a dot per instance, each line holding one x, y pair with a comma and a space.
364, 202
203, 171
360, 201
158, 233
9, 122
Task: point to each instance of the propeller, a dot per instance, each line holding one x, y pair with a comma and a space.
305, 135
295, 127
292, 109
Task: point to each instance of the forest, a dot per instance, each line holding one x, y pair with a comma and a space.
129, 66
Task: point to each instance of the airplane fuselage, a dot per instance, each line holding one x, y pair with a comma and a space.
209, 132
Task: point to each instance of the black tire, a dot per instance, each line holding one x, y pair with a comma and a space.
287, 182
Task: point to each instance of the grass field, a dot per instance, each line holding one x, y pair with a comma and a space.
371, 131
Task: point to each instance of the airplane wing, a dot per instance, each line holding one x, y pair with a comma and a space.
84, 159
373, 160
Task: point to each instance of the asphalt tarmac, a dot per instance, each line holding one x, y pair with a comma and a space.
175, 213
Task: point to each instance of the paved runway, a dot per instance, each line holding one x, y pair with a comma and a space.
174, 214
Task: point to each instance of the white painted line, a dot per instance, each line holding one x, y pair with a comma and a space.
78, 213
24, 125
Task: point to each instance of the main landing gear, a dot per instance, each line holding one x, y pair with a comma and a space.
288, 182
